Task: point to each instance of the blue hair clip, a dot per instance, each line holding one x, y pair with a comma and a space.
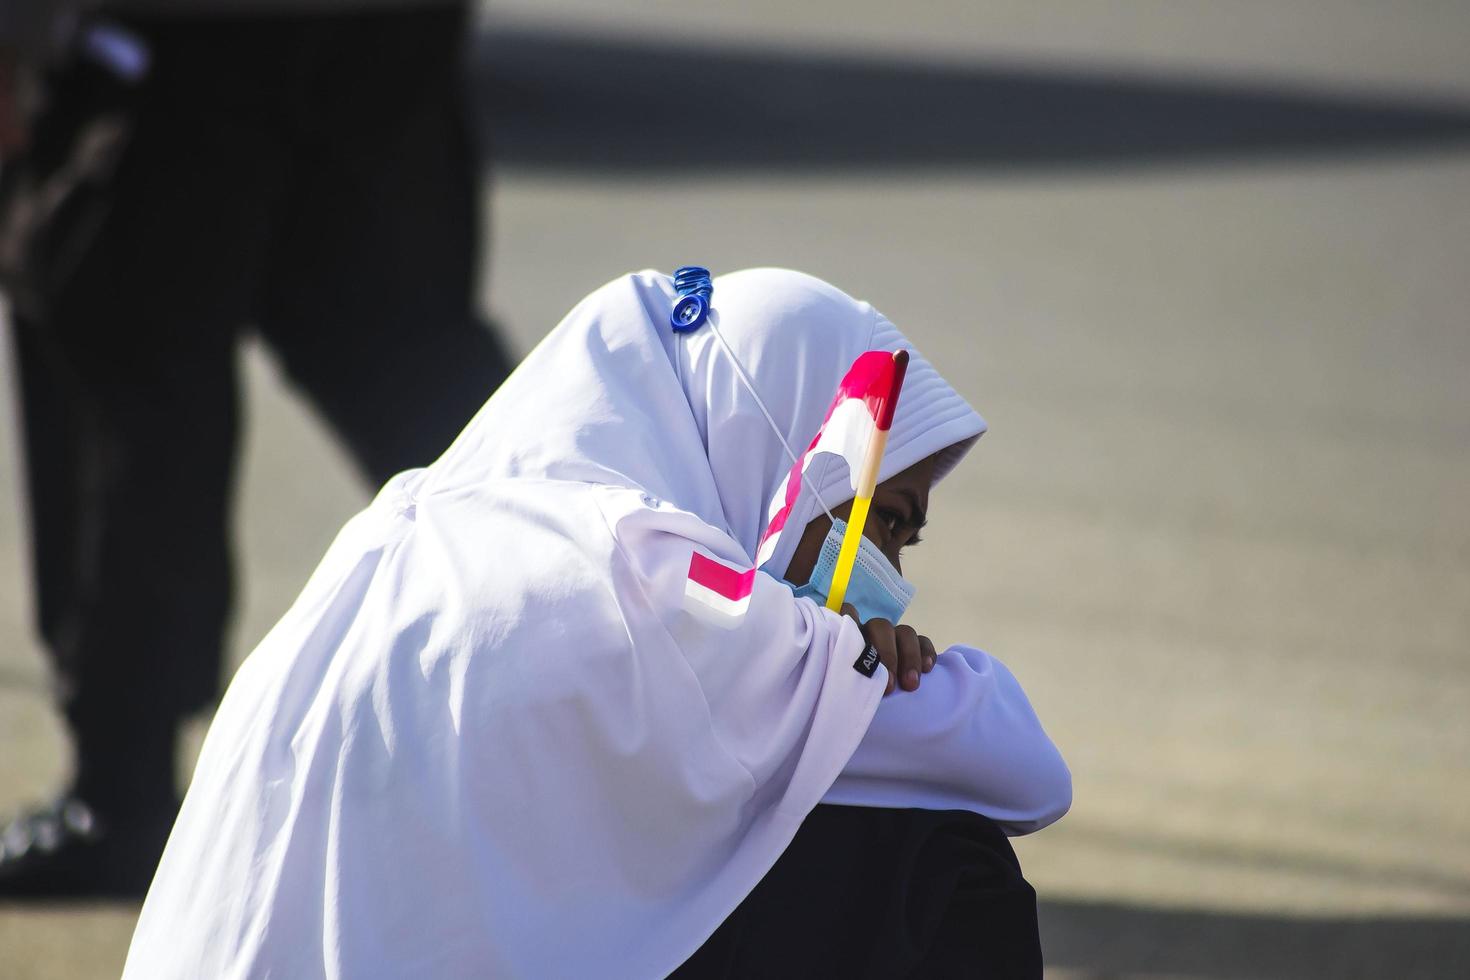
695, 287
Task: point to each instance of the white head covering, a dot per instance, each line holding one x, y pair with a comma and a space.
635, 404
487, 740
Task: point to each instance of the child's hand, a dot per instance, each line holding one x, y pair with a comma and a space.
901, 649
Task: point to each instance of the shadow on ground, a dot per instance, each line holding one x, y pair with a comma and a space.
602, 105
1086, 941
1098, 940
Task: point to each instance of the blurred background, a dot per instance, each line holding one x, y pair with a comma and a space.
1202, 266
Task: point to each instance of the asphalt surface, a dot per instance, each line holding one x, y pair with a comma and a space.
1204, 271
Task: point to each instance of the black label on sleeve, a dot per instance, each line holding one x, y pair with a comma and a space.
867, 661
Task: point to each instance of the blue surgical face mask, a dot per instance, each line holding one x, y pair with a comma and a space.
876, 590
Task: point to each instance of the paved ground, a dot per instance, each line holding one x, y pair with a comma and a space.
1203, 268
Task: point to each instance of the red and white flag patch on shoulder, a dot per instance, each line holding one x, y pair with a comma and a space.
716, 592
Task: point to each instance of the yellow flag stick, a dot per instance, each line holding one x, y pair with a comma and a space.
867, 483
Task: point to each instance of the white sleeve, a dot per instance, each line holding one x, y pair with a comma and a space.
780, 689
967, 739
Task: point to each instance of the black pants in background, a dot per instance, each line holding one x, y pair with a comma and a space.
882, 895
311, 176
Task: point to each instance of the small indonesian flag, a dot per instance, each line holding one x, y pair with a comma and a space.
864, 404
720, 593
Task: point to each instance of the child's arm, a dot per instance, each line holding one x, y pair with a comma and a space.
966, 739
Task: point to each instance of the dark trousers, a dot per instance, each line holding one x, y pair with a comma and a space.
882, 894
311, 176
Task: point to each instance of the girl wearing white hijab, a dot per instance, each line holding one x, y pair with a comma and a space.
489, 740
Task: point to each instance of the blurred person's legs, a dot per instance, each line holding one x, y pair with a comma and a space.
867, 892
128, 383
253, 188
369, 299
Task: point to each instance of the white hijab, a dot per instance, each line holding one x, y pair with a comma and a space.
635, 404
487, 740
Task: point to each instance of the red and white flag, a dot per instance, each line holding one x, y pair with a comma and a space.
717, 592
864, 403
